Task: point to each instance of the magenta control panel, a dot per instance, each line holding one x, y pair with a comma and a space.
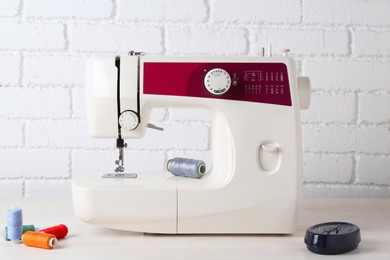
251, 82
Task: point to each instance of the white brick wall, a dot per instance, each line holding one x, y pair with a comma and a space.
9, 8
343, 45
374, 13
47, 69
34, 163
374, 108
87, 9
306, 42
32, 102
255, 11
9, 68
11, 133
366, 39
31, 36
349, 75
203, 40
114, 38
11, 188
339, 168
173, 10
321, 112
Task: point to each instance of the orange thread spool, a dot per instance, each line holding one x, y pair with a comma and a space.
38, 239
58, 231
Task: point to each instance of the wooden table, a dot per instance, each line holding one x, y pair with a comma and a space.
90, 242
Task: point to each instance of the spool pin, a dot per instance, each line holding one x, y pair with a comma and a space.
187, 167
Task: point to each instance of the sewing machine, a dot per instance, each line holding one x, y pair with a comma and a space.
255, 182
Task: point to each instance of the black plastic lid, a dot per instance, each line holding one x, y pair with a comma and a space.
332, 238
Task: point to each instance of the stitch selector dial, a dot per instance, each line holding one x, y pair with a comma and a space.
217, 81
128, 120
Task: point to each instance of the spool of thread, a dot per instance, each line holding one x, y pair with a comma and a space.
24, 229
58, 231
15, 224
187, 167
38, 239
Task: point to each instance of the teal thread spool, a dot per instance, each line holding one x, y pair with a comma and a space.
25, 228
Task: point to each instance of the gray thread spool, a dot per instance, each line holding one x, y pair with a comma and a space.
187, 167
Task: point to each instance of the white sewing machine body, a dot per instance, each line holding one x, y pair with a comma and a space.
255, 183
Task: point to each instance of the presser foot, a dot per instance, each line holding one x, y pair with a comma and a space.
119, 169
121, 146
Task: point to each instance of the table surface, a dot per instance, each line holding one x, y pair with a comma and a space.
86, 241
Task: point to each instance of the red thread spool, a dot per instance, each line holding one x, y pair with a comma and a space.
59, 231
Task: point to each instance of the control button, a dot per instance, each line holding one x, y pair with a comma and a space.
128, 120
269, 147
235, 80
269, 156
217, 81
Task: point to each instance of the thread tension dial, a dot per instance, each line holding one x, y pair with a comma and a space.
128, 120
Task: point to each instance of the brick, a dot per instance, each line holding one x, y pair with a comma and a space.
327, 168
190, 114
9, 7
256, 11
115, 38
169, 10
94, 162
33, 163
31, 36
11, 133
68, 9
373, 139
78, 103
306, 42
328, 138
337, 108
372, 43
346, 12
11, 189
48, 189
9, 69
373, 169
34, 103
61, 69
63, 134
370, 139
38, 134
100, 162
348, 75
374, 108
201, 40
344, 191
